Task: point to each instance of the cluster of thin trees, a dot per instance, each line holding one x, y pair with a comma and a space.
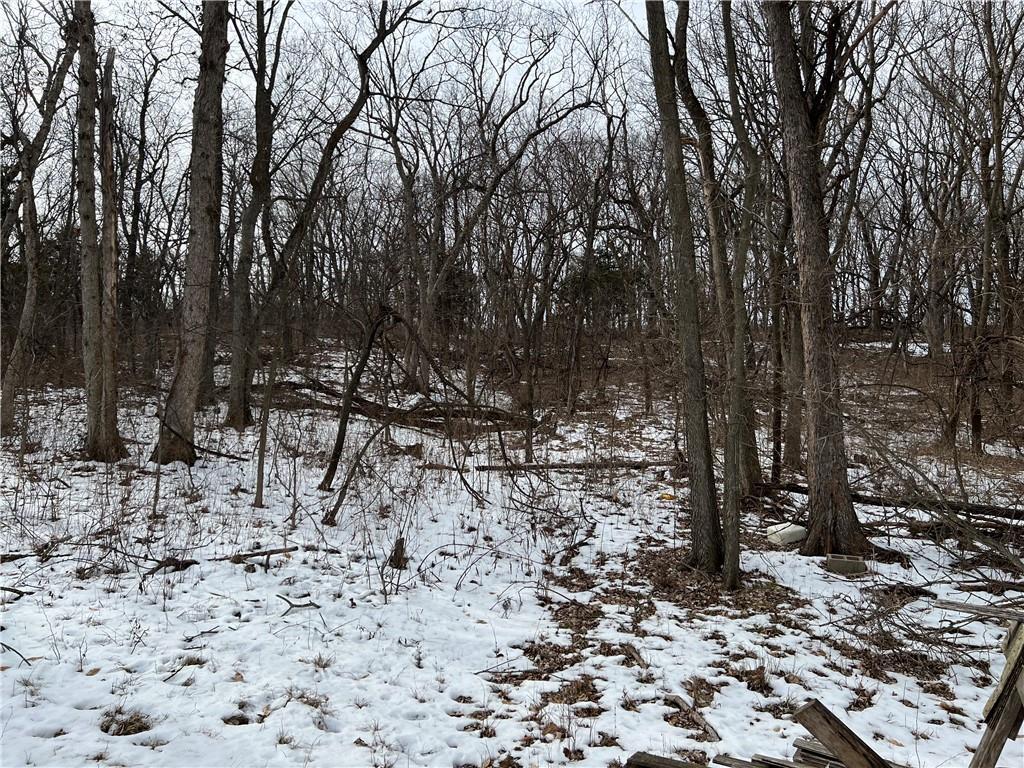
722, 191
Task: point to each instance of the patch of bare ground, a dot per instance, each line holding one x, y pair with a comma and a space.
640, 605
671, 579
688, 720
548, 658
782, 709
573, 692
757, 678
578, 618
879, 660
574, 579
702, 691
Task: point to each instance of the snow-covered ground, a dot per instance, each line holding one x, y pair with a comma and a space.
536, 621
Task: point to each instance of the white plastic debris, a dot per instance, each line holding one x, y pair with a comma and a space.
786, 533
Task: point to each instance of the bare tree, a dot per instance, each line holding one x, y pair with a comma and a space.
833, 523
265, 74
706, 551
177, 423
29, 151
99, 260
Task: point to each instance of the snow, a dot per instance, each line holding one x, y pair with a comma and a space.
433, 665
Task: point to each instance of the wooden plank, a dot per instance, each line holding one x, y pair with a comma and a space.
814, 752
732, 762
976, 609
837, 737
647, 760
766, 761
1006, 724
1009, 687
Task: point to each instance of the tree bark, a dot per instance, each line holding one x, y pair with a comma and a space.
17, 363
245, 332
113, 446
177, 426
99, 263
742, 471
833, 524
792, 454
706, 553
242, 338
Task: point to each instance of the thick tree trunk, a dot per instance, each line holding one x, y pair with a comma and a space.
706, 551
92, 339
833, 524
113, 446
177, 427
207, 382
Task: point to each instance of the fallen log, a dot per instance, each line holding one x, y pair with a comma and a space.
10, 557
241, 557
922, 503
435, 416
440, 415
20, 593
578, 465
172, 563
1012, 613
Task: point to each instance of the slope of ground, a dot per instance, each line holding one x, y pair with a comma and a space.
530, 620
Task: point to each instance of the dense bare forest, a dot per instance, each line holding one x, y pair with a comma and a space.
507, 384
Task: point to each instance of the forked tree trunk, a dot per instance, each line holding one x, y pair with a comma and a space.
742, 469
99, 268
833, 524
706, 551
177, 426
714, 207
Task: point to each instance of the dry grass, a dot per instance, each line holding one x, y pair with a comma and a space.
574, 691
124, 722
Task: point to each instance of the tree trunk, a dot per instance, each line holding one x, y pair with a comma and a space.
706, 551
792, 457
177, 427
17, 363
128, 295
99, 273
935, 305
113, 446
778, 256
833, 524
